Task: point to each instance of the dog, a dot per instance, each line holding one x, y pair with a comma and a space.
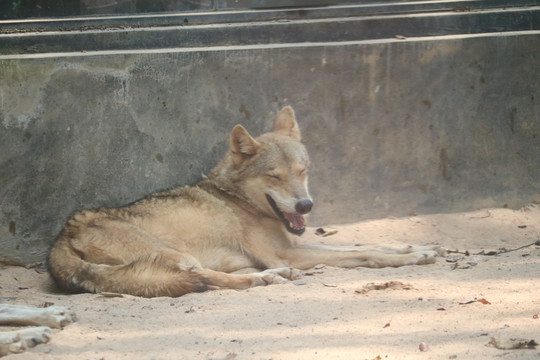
43, 319
235, 229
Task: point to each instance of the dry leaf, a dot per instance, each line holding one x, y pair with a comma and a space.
511, 344
535, 316
311, 273
46, 304
482, 301
423, 347
325, 232
453, 258
386, 325
394, 285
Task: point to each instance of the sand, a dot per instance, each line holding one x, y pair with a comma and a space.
452, 308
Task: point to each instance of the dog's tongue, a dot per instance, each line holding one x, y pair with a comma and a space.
297, 221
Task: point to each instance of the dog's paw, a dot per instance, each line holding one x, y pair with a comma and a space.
10, 343
287, 273
18, 341
35, 336
441, 251
426, 257
275, 276
59, 316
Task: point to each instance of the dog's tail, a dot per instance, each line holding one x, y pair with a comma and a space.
148, 276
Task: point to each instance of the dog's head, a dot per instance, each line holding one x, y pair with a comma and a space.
272, 171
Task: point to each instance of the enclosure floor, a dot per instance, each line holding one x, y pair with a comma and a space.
322, 316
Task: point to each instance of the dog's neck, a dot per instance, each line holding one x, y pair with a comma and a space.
222, 180
218, 188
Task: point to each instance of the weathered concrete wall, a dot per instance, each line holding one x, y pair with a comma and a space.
394, 127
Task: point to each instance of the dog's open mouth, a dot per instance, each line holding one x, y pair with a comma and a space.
294, 223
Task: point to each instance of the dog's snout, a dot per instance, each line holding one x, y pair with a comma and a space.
303, 206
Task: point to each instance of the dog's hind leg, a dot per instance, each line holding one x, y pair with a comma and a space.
101, 253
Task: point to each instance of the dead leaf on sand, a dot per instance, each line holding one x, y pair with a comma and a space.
329, 285
325, 232
481, 301
512, 344
393, 285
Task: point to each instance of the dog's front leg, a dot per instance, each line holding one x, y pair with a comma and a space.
305, 257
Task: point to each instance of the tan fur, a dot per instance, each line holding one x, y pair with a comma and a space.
192, 238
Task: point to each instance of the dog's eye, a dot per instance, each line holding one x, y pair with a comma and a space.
274, 176
303, 171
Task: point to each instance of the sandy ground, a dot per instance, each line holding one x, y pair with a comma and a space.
325, 315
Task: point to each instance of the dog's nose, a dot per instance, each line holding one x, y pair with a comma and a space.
303, 206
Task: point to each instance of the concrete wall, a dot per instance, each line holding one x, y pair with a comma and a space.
394, 127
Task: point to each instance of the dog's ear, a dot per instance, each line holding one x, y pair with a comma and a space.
242, 144
286, 123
